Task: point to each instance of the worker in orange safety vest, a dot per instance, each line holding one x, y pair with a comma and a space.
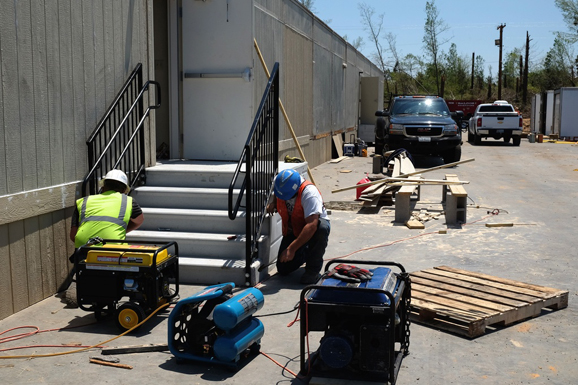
306, 226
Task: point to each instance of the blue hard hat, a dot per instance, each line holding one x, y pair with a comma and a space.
286, 184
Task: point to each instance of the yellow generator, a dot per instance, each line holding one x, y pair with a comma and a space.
126, 280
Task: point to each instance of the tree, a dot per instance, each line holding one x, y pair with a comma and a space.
456, 72
569, 10
511, 68
434, 27
357, 43
559, 65
373, 25
479, 71
308, 4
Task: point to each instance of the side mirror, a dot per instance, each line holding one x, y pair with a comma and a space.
457, 114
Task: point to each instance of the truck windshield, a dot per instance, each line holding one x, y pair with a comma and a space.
423, 106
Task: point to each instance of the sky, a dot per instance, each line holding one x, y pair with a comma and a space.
472, 25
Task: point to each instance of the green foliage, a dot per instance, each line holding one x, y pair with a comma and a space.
417, 74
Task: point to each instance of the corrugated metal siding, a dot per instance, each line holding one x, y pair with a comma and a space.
62, 64
320, 94
297, 78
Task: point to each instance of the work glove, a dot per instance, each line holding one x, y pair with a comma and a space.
355, 274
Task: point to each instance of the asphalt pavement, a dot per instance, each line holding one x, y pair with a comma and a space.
533, 186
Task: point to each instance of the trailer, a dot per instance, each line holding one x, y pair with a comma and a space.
565, 113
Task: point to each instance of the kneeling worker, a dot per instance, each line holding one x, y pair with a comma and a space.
305, 223
108, 215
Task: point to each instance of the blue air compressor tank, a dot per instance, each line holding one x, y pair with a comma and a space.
231, 312
229, 347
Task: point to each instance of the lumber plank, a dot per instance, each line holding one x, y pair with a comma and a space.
338, 144
481, 288
406, 165
504, 286
504, 280
337, 160
456, 190
509, 224
442, 293
417, 281
105, 363
437, 309
445, 323
404, 175
135, 349
414, 224
373, 203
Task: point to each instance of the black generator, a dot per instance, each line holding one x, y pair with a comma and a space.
365, 325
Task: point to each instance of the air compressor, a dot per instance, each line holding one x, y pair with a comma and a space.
365, 325
214, 326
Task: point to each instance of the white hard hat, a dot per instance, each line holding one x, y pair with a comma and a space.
117, 175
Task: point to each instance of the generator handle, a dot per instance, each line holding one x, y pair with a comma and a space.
360, 262
164, 247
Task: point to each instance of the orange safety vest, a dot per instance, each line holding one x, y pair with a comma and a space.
297, 216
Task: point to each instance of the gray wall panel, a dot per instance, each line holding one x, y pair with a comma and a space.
61, 64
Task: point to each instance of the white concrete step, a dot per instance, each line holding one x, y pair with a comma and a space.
192, 220
211, 258
184, 197
194, 271
193, 244
179, 173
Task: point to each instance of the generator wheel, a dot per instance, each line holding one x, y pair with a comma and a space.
129, 315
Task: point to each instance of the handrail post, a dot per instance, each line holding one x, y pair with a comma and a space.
260, 157
249, 216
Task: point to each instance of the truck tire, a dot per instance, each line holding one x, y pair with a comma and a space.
516, 140
477, 139
453, 155
470, 137
506, 139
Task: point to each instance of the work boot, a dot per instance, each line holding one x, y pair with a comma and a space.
310, 277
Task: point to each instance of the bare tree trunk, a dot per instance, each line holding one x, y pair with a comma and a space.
525, 82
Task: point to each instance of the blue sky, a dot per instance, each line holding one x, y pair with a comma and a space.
472, 25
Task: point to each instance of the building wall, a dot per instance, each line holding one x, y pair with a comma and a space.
320, 75
61, 65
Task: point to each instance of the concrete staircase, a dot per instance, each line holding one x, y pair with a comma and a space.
187, 202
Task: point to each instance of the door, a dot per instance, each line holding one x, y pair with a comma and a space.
216, 46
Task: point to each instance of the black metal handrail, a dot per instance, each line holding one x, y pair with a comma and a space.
260, 160
118, 140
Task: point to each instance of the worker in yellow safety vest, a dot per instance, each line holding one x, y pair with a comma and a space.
108, 215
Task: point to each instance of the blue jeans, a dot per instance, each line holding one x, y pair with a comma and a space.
310, 253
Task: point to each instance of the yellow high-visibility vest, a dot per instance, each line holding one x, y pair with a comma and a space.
105, 215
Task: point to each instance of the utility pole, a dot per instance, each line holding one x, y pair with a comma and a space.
500, 42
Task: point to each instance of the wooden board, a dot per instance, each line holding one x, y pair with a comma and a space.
466, 303
338, 142
414, 224
337, 160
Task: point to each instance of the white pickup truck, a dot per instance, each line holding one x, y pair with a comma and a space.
495, 120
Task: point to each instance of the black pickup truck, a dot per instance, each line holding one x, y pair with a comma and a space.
421, 125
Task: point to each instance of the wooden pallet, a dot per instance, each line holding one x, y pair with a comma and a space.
466, 302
